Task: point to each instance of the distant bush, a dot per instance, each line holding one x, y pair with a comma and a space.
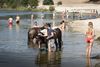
48, 2
22, 8
40, 10
59, 3
51, 8
31, 9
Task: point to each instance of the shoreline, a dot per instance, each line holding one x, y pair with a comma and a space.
81, 26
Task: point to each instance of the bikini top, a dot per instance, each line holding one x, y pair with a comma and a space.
89, 33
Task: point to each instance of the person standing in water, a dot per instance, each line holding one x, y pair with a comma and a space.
62, 25
89, 38
10, 22
17, 19
47, 34
35, 24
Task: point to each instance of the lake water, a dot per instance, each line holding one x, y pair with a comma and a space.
14, 51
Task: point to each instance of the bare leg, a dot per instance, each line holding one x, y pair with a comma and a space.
88, 62
89, 49
49, 47
39, 43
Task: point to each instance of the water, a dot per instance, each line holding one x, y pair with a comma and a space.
14, 51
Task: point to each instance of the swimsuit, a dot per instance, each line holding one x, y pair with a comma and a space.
89, 39
10, 23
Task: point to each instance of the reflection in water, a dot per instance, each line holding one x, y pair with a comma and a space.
51, 59
97, 65
10, 27
17, 27
88, 62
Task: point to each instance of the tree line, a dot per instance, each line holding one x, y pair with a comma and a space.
18, 3
24, 3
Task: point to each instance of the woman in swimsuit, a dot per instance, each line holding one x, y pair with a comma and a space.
89, 38
62, 25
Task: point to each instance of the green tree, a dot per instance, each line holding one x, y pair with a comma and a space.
24, 3
1, 3
48, 2
51, 8
18, 3
59, 3
12, 3
33, 3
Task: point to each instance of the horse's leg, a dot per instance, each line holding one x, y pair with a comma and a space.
56, 44
46, 45
60, 41
30, 40
49, 46
59, 38
39, 43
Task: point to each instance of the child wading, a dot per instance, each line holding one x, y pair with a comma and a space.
10, 22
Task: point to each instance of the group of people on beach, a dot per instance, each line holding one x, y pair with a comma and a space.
10, 21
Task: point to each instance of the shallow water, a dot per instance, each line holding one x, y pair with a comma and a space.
14, 51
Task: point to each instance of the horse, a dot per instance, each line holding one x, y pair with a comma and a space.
33, 34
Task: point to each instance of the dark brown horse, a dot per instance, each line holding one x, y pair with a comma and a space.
33, 34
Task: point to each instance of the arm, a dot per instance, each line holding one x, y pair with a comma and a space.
52, 34
93, 33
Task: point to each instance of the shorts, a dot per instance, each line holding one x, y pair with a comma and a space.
89, 40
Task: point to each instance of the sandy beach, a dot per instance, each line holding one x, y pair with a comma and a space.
81, 25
